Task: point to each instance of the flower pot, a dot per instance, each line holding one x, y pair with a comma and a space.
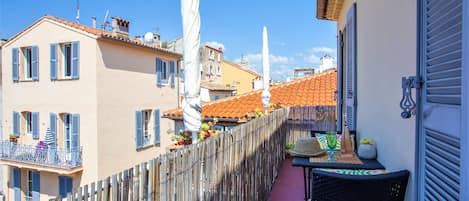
187, 141
181, 142
367, 151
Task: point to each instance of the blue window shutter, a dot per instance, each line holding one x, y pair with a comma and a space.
53, 126
156, 114
35, 120
62, 183
65, 185
53, 61
75, 59
75, 138
35, 62
158, 71
138, 129
171, 71
339, 95
16, 124
351, 69
15, 64
36, 186
17, 183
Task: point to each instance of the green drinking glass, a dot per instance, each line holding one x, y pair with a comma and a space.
331, 141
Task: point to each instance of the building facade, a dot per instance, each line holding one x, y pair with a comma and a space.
240, 77
82, 104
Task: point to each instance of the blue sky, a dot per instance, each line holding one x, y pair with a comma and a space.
296, 37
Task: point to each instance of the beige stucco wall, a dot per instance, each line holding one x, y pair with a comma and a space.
45, 96
386, 51
242, 80
127, 83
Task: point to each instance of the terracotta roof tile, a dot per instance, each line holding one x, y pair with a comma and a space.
314, 90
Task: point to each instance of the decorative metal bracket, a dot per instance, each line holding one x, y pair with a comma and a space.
407, 103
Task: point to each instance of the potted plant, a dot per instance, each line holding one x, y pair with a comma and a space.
13, 138
367, 149
289, 147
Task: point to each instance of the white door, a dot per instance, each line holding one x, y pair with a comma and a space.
442, 137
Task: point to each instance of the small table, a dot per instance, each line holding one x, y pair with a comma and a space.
307, 166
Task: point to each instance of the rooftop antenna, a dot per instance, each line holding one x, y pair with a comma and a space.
105, 21
244, 61
78, 11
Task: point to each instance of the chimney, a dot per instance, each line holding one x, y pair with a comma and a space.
93, 22
120, 27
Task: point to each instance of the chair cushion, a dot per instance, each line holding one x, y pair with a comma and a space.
354, 172
322, 139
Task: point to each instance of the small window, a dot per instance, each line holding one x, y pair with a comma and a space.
218, 57
28, 123
29, 185
27, 63
165, 71
217, 97
66, 66
211, 54
146, 126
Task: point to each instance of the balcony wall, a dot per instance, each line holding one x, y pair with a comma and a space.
241, 164
24, 155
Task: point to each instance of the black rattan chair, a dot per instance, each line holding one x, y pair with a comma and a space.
330, 186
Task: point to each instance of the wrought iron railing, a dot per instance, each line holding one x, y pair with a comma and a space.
40, 155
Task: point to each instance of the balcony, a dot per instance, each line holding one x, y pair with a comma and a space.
242, 164
40, 158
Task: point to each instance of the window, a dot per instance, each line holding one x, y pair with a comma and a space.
146, 126
211, 54
29, 185
218, 57
164, 71
66, 60
27, 63
67, 132
28, 123
217, 97
65, 185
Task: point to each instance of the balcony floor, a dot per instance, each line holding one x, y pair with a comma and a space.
289, 183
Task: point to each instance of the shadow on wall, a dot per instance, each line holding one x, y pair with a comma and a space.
119, 56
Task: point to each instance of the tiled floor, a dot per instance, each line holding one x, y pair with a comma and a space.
289, 184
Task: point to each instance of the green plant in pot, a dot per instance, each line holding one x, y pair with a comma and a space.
289, 147
367, 149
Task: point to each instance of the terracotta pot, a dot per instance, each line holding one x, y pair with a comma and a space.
180, 142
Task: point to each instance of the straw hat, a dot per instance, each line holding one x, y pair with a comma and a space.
306, 147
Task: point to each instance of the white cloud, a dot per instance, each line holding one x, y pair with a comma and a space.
216, 44
280, 66
314, 54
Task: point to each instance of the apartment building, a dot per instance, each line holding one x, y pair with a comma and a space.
240, 77
82, 103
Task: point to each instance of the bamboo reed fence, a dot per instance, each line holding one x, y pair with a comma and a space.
241, 164
302, 120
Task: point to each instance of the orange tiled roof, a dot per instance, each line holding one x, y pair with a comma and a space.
100, 34
242, 68
314, 90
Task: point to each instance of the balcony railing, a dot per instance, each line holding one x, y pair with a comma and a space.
40, 155
240, 164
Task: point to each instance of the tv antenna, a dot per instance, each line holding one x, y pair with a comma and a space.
78, 12
105, 21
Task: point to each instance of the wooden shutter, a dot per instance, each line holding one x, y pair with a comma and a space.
75, 138
440, 121
351, 69
75, 60
17, 183
53, 61
171, 71
36, 186
53, 126
65, 185
16, 124
35, 123
340, 75
138, 129
15, 64
156, 114
159, 69
35, 62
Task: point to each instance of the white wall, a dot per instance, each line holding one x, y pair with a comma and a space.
386, 51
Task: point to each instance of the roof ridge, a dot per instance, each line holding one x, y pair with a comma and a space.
253, 72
